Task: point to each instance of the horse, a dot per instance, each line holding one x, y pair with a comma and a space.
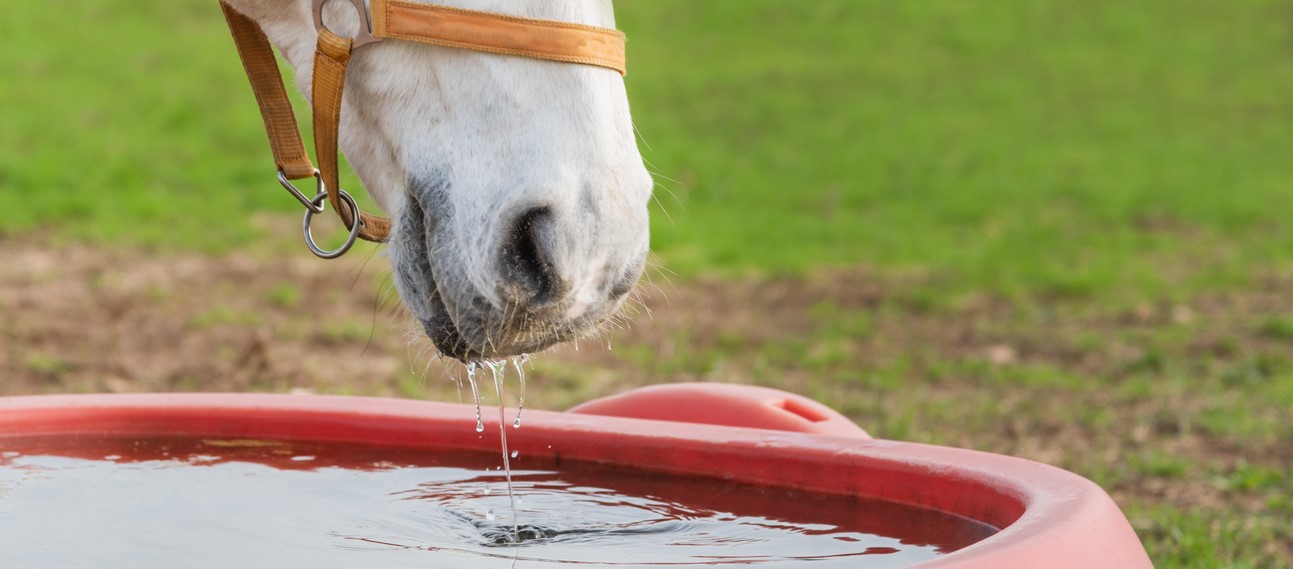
515, 185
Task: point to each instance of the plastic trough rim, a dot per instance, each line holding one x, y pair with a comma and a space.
1049, 517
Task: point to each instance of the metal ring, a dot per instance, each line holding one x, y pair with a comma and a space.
354, 226
307, 202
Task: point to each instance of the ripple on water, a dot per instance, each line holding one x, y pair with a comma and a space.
164, 503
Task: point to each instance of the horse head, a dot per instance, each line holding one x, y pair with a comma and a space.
518, 194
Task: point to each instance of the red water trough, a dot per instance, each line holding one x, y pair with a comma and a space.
1048, 517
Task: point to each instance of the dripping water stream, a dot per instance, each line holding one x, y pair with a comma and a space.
499, 369
475, 395
517, 362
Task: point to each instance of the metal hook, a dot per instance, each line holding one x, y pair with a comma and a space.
318, 202
307, 202
365, 35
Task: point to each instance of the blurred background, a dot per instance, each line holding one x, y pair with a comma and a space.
1054, 229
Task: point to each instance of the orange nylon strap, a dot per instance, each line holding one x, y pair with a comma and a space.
330, 61
398, 19
267, 84
498, 33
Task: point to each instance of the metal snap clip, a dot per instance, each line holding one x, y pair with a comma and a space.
365, 35
307, 202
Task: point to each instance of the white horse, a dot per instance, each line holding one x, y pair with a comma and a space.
517, 189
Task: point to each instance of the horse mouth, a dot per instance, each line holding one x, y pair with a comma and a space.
488, 334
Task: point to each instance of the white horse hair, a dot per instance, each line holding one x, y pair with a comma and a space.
516, 186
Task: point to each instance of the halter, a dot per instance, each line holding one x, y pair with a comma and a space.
397, 20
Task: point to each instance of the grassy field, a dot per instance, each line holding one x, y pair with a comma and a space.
1053, 229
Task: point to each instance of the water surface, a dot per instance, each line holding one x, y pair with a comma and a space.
251, 503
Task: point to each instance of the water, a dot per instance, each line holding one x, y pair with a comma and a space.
475, 395
498, 368
517, 362
249, 503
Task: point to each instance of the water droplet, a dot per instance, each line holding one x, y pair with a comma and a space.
475, 395
515, 453
488, 490
490, 515
520, 373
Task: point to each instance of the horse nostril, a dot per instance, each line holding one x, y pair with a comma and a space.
526, 267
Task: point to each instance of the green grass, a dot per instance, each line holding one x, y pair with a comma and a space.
1062, 148
130, 124
1026, 148
1199, 541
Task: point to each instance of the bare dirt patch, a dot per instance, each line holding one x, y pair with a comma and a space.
79, 319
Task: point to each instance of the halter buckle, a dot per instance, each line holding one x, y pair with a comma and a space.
365, 35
